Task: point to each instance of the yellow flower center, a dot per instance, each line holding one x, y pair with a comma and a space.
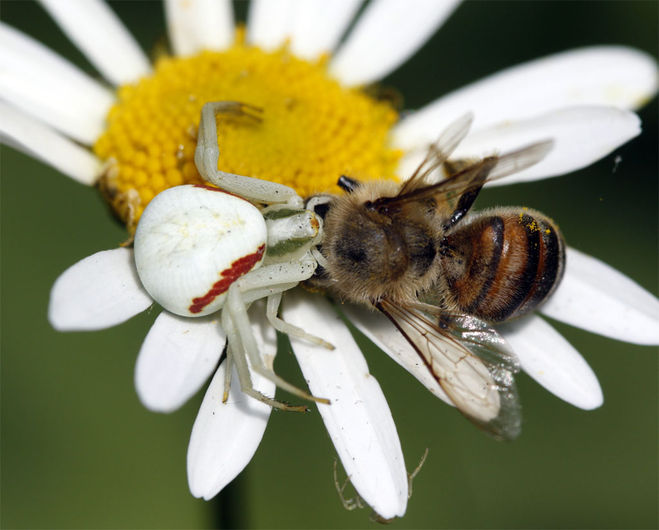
313, 129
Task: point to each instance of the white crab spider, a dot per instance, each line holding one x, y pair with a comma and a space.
200, 249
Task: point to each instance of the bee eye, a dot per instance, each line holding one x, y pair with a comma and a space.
377, 206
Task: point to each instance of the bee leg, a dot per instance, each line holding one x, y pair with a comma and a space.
207, 155
291, 330
351, 503
235, 354
238, 313
411, 476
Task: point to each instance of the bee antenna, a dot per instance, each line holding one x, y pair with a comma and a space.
348, 184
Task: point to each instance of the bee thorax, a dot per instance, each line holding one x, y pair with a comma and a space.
370, 258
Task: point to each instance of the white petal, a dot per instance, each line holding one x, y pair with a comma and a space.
312, 26
99, 291
177, 356
50, 88
385, 36
604, 75
596, 297
384, 334
582, 135
269, 23
99, 34
225, 436
319, 24
358, 419
195, 25
552, 361
40, 141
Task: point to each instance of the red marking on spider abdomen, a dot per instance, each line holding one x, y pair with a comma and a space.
230, 275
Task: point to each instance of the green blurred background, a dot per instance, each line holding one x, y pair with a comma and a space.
79, 451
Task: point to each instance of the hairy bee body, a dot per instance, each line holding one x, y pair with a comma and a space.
371, 255
443, 275
495, 265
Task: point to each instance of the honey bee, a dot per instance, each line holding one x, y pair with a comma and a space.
443, 275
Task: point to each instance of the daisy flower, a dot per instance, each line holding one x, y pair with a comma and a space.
292, 61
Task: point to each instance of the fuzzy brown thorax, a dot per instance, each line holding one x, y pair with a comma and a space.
376, 253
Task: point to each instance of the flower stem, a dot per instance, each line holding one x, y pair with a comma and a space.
230, 506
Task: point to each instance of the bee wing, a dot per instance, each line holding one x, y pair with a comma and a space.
452, 197
455, 195
470, 361
520, 159
471, 179
438, 153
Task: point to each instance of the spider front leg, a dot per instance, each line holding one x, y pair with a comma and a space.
207, 155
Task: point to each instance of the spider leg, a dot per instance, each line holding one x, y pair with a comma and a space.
234, 354
207, 155
283, 326
253, 287
227, 375
235, 307
275, 275
264, 292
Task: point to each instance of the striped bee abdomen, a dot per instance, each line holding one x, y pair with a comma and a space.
502, 263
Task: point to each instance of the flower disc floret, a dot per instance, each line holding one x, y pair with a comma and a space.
313, 130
